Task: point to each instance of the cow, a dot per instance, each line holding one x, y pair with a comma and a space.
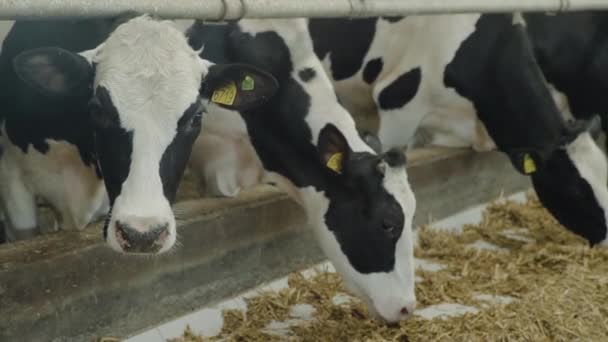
359, 202
572, 51
438, 67
127, 103
50, 168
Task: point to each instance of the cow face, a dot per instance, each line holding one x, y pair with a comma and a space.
367, 224
147, 90
572, 186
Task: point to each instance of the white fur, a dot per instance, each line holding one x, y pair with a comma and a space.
324, 107
450, 119
386, 293
58, 176
591, 164
436, 39
153, 76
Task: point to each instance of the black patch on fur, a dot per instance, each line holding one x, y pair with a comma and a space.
569, 197
31, 117
113, 144
174, 159
572, 51
360, 208
373, 68
307, 74
347, 41
497, 70
401, 91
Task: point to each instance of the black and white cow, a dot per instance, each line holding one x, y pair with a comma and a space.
358, 201
441, 69
132, 105
43, 157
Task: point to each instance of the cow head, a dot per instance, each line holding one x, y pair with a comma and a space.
146, 90
367, 225
571, 183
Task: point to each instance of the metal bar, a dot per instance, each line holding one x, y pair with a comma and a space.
234, 9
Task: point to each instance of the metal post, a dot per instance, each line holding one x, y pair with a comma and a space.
234, 9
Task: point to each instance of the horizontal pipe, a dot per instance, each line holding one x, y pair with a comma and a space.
234, 9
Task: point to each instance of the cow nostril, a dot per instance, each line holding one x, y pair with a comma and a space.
159, 233
404, 311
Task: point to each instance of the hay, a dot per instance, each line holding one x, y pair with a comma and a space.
560, 286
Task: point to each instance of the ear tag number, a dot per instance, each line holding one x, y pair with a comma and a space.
335, 162
225, 95
248, 84
529, 164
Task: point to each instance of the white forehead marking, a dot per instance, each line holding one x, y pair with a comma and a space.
150, 70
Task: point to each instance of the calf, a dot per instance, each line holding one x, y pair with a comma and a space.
132, 106
462, 66
358, 201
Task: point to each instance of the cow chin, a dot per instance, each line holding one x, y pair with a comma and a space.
389, 296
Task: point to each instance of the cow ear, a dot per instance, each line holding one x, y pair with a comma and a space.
372, 141
333, 148
54, 71
238, 86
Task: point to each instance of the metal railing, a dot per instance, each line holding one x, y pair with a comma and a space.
234, 9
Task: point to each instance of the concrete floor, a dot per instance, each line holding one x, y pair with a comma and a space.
208, 321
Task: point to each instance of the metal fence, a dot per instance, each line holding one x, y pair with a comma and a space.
234, 9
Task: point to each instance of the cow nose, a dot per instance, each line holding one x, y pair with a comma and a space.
407, 310
150, 240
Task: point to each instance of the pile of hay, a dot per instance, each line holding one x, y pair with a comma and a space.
559, 284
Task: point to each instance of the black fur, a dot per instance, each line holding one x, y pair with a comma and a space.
346, 41
360, 210
401, 91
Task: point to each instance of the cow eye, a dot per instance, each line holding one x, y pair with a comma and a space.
388, 227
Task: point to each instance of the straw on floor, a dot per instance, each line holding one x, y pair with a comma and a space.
558, 283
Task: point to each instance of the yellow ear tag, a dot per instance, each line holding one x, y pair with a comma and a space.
529, 164
335, 162
225, 95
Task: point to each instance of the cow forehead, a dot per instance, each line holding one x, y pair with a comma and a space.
150, 71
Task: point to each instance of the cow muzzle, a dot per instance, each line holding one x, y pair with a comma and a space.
142, 235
